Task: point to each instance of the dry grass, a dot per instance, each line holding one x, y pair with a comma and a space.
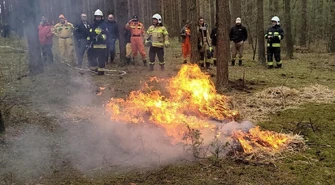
274, 99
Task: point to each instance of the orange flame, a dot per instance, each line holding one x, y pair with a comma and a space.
191, 100
265, 140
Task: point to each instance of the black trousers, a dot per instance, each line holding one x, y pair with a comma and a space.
80, 50
47, 53
97, 57
273, 51
156, 51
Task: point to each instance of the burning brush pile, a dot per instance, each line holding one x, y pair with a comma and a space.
190, 102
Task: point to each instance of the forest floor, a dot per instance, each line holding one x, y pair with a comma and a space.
57, 133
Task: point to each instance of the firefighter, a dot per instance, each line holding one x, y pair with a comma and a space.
204, 46
97, 43
127, 36
137, 33
64, 31
214, 43
185, 34
80, 34
45, 38
158, 38
238, 34
113, 30
274, 35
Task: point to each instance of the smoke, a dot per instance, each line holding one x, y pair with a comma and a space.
96, 143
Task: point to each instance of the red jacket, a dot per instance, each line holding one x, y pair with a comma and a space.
45, 34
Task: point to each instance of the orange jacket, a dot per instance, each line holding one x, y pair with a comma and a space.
136, 29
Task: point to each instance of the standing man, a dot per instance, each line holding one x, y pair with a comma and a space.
214, 42
204, 46
80, 34
98, 40
137, 33
185, 34
238, 34
64, 31
127, 36
45, 38
158, 36
113, 30
274, 35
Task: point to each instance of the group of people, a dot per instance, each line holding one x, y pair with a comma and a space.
98, 40
207, 43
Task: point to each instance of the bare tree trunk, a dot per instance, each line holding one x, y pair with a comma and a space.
2, 124
122, 20
34, 52
223, 54
192, 5
332, 34
288, 32
236, 10
304, 26
260, 31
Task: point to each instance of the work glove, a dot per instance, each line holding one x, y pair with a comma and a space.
211, 49
167, 44
147, 43
97, 31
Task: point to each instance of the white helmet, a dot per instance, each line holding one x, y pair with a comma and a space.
158, 17
98, 12
275, 18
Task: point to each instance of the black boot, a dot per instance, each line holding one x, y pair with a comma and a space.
145, 63
128, 61
202, 65
185, 62
208, 65
162, 67
151, 67
214, 62
240, 62
278, 65
233, 62
270, 66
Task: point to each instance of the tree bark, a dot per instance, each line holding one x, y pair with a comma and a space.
303, 26
332, 33
2, 124
122, 21
31, 23
192, 5
260, 31
288, 31
236, 10
223, 45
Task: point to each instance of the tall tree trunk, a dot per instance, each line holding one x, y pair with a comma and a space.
288, 32
2, 124
260, 31
122, 20
192, 5
31, 22
303, 26
332, 33
223, 54
213, 15
236, 10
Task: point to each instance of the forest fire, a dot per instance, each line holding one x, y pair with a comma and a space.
191, 101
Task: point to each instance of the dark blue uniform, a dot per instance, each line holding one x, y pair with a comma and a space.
274, 35
98, 40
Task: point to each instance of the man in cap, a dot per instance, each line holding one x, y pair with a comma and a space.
185, 34
64, 31
137, 33
238, 34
